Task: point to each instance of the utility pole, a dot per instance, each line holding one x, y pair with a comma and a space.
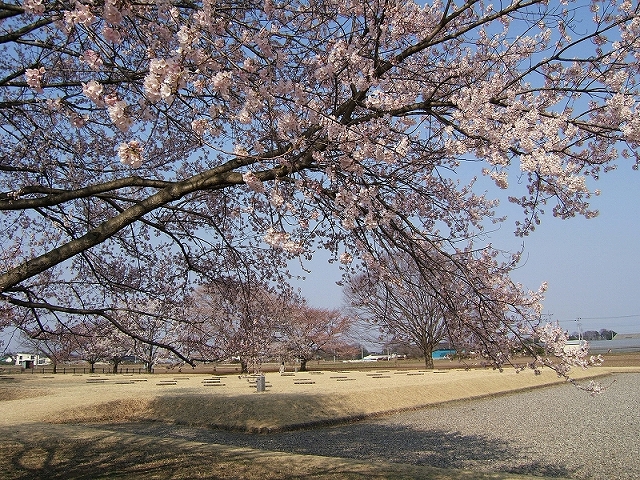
579, 328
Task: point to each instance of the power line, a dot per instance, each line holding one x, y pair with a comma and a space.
598, 318
608, 318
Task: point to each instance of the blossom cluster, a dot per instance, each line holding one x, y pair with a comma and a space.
253, 182
92, 58
346, 258
112, 13
81, 15
93, 91
34, 6
200, 126
130, 153
34, 78
280, 239
111, 34
118, 112
163, 79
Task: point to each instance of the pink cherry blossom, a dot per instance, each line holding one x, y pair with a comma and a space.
346, 258
111, 35
80, 15
92, 59
118, 113
200, 126
34, 78
130, 153
34, 6
93, 91
253, 182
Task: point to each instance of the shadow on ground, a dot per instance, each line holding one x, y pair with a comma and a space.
377, 442
145, 451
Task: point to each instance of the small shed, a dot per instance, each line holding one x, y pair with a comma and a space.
439, 354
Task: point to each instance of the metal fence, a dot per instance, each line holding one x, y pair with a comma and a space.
77, 370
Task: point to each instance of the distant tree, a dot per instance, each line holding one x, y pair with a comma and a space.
304, 331
88, 344
214, 326
402, 302
120, 346
56, 343
152, 353
403, 348
239, 318
98, 341
344, 350
591, 335
425, 300
153, 327
607, 334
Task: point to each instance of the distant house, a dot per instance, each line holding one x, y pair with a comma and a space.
574, 346
440, 354
31, 360
374, 358
626, 336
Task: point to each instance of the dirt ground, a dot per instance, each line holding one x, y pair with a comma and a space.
622, 360
293, 400
57, 426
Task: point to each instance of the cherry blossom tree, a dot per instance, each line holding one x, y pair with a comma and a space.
403, 303
89, 345
240, 318
119, 346
98, 341
55, 343
423, 306
154, 327
306, 331
166, 143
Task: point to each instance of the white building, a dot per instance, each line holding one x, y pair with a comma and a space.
30, 360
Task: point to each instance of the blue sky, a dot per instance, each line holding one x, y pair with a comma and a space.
592, 266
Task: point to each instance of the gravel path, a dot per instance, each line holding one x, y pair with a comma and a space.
555, 431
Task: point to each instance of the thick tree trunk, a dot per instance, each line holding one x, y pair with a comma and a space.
428, 362
427, 351
303, 364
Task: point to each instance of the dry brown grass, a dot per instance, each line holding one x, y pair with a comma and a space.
12, 388
41, 421
8, 393
113, 411
303, 399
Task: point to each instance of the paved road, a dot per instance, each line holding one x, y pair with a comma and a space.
555, 431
